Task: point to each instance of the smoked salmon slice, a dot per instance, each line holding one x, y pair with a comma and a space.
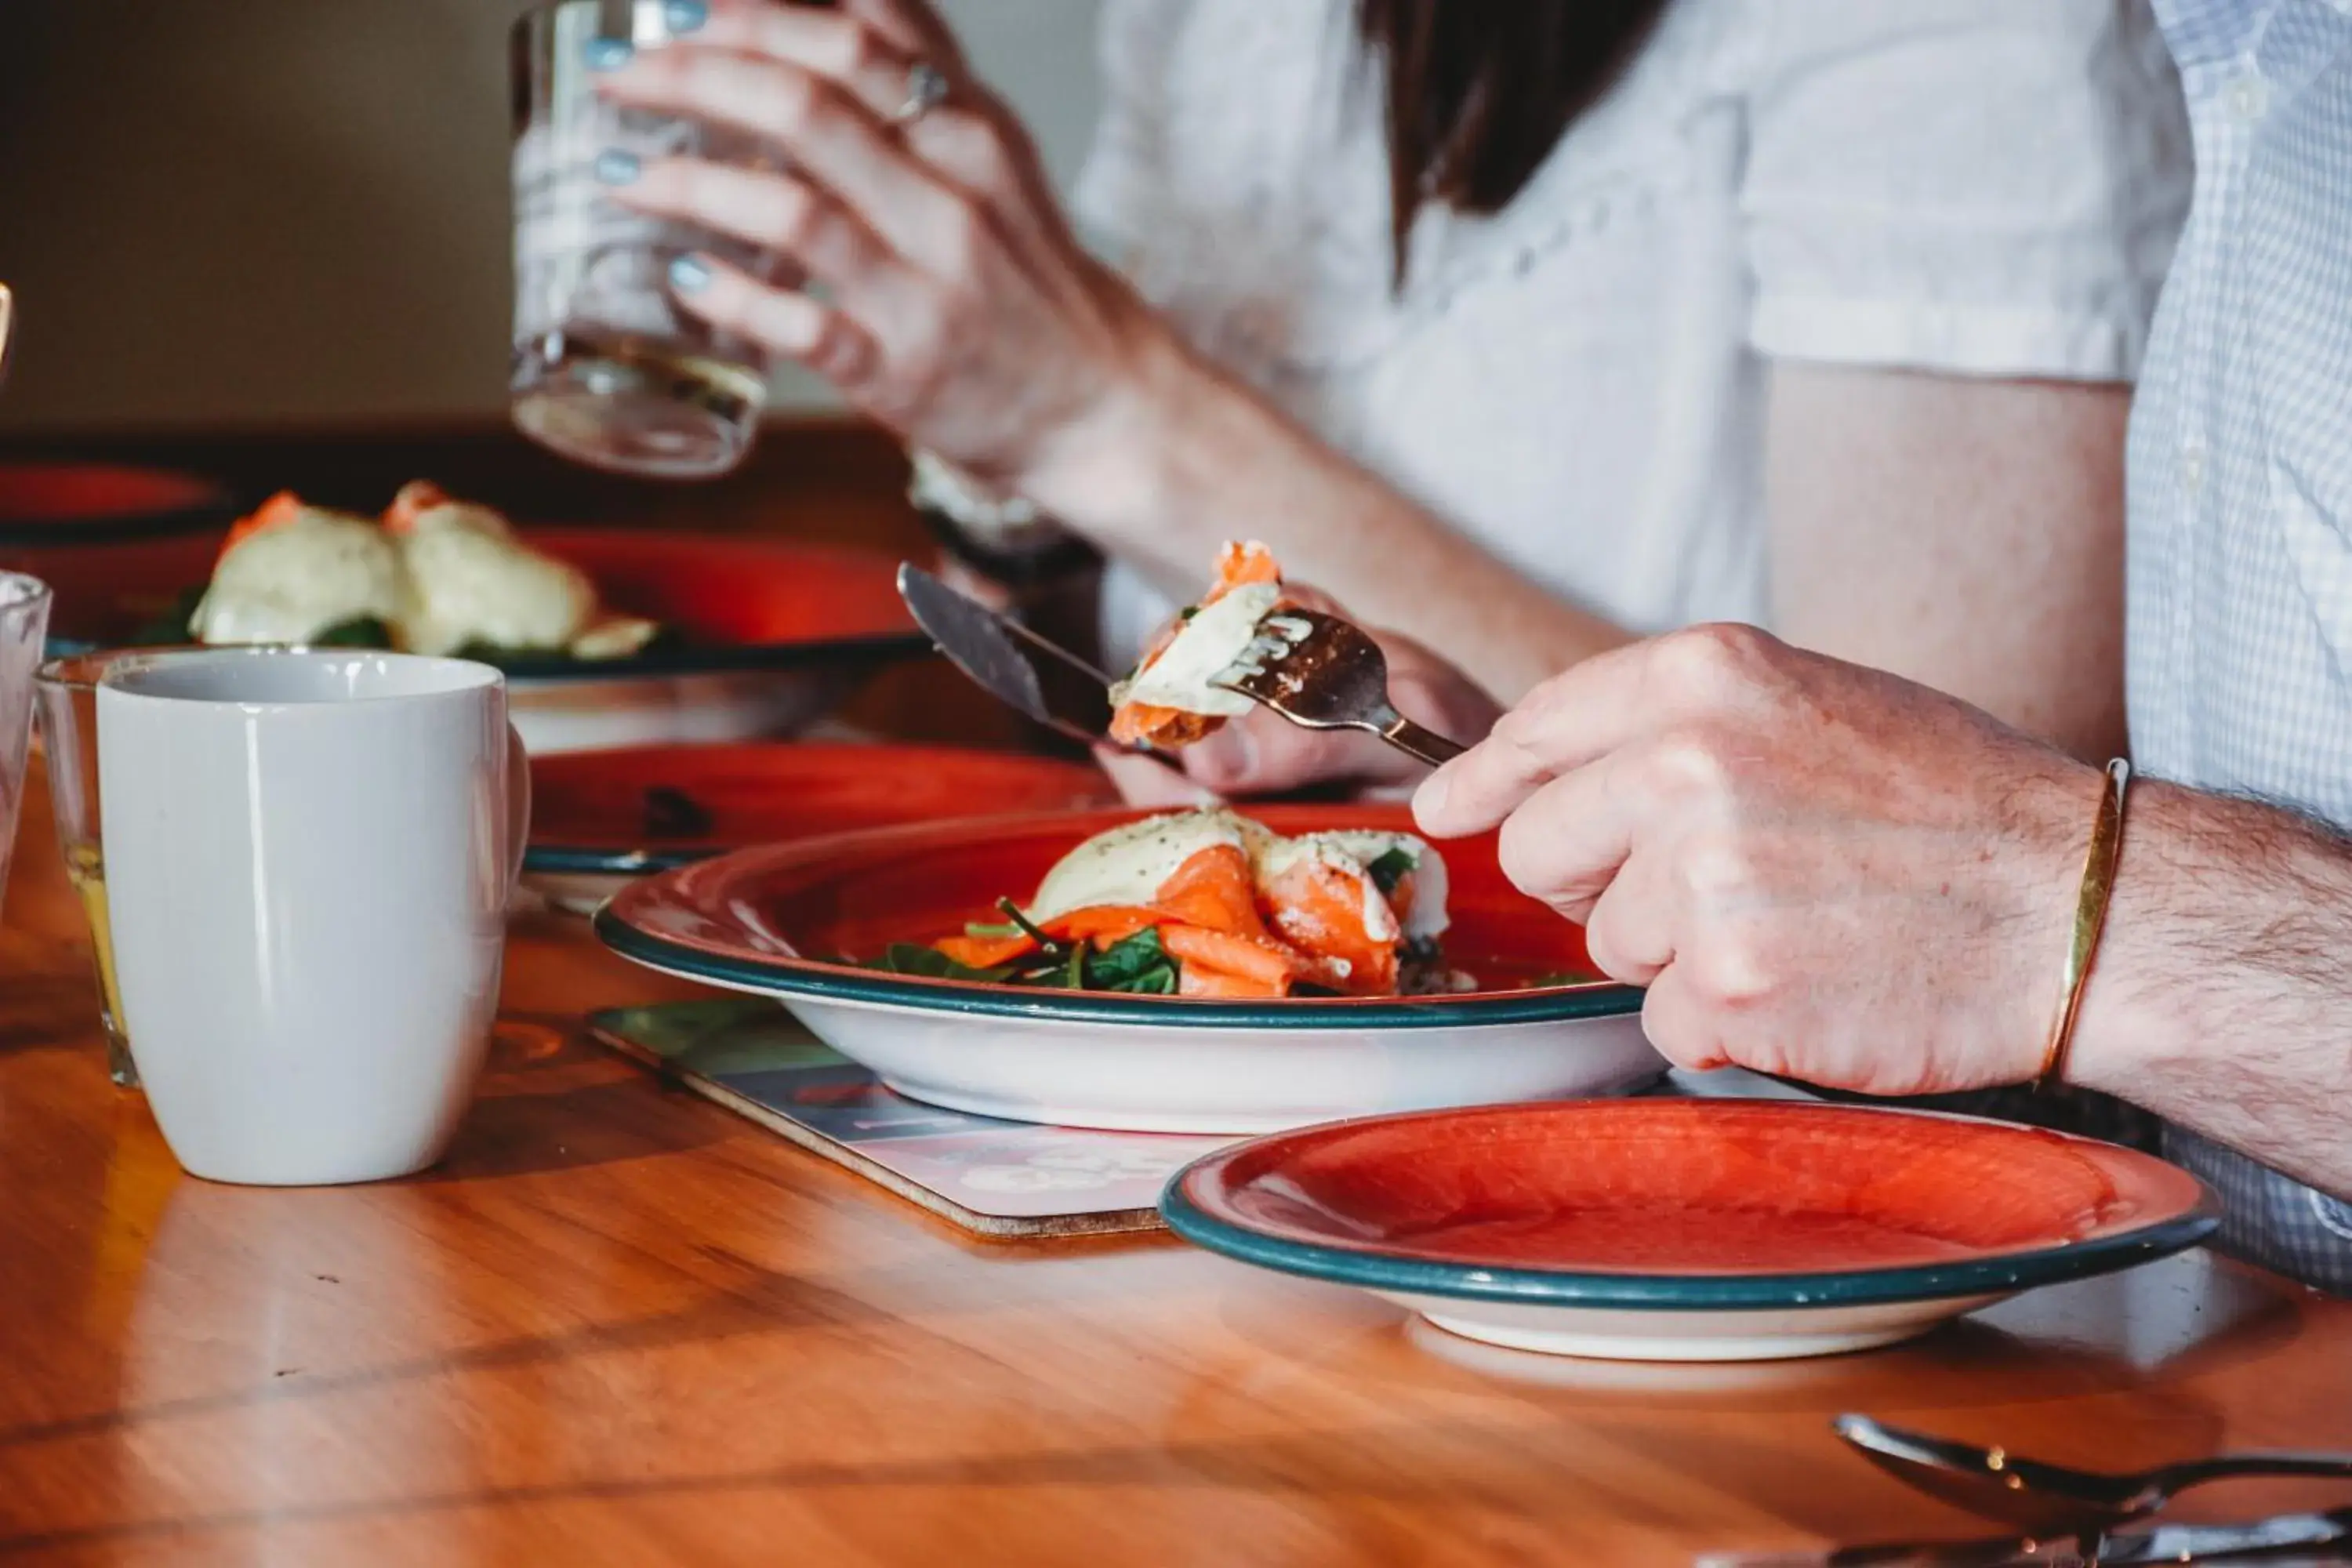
1239, 565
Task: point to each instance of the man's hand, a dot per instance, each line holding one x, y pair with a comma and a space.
1817, 870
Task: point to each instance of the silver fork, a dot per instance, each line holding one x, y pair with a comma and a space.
1322, 673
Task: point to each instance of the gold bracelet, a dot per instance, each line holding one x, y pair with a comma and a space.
2090, 920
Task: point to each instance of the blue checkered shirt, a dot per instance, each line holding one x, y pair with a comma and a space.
2240, 487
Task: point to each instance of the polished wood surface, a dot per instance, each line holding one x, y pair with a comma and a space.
619, 1325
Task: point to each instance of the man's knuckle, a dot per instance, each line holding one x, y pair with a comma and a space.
1715, 864
1688, 764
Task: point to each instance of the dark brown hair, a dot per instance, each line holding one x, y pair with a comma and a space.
1480, 92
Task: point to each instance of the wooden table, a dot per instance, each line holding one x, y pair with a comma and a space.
620, 1325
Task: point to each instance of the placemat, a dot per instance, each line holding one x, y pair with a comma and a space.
993, 1178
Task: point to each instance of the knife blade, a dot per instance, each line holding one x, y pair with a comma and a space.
2279, 1542
994, 651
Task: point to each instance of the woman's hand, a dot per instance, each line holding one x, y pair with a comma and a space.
1260, 753
956, 306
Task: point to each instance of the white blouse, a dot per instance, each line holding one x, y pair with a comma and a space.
1977, 187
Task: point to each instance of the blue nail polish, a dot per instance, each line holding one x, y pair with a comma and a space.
689, 275
685, 16
614, 167
608, 54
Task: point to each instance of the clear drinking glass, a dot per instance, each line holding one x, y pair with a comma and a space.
23, 626
606, 371
68, 693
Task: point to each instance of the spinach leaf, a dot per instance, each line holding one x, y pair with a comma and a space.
359, 631
911, 958
170, 624
1390, 868
1137, 963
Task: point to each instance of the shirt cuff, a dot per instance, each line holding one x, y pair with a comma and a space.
1958, 340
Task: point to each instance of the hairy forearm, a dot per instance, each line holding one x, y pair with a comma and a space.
1186, 457
2222, 999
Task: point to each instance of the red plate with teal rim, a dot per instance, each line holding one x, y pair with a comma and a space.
1688, 1228
649, 808
736, 603
44, 504
779, 917
777, 920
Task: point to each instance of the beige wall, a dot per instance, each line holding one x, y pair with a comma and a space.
242, 211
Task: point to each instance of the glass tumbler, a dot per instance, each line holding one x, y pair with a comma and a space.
68, 693
606, 370
23, 626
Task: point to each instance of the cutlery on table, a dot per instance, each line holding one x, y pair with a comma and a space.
2048, 1499
2279, 1542
1323, 673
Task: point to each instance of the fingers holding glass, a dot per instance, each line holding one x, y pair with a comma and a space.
785, 321
874, 63
776, 214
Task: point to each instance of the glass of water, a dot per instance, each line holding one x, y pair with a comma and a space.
606, 370
24, 625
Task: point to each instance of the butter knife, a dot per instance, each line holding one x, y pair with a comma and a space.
2281, 1542
999, 654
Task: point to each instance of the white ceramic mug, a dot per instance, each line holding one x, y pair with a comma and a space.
308, 859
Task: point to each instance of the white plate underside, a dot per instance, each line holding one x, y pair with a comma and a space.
1606, 1334
1146, 1077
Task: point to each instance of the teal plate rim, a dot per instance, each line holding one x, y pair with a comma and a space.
576, 860
1998, 1274
789, 977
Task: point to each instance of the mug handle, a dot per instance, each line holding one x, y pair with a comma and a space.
518, 808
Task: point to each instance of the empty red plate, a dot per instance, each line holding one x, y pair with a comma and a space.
1688, 1228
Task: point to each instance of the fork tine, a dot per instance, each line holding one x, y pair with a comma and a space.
1320, 672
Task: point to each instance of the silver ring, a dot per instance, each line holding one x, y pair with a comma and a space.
927, 89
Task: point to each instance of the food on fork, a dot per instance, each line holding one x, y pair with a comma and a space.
436, 576
1212, 904
1172, 699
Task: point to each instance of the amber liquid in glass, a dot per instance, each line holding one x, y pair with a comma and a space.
86, 868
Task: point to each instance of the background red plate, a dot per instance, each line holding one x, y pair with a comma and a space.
44, 504
739, 603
